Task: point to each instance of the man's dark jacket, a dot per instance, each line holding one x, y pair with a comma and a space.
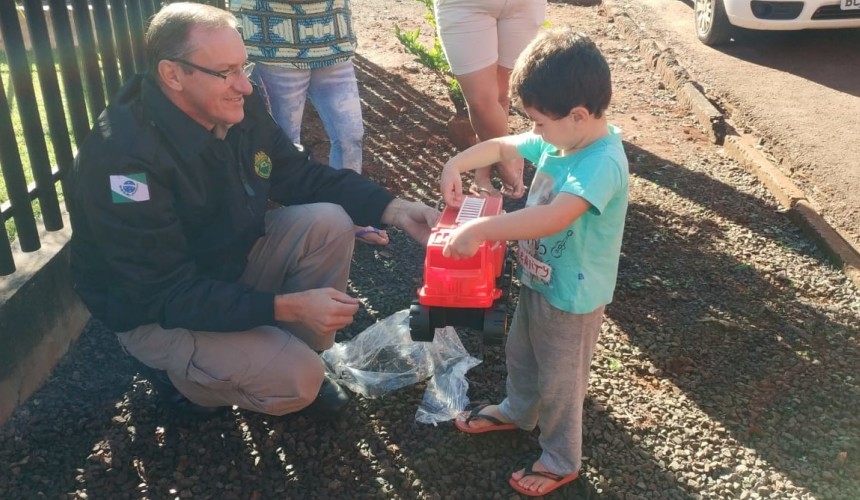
164, 213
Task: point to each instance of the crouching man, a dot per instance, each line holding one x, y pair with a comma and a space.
223, 301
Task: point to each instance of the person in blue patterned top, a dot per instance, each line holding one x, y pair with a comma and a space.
304, 48
569, 237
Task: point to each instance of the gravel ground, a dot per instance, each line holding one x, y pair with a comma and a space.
727, 365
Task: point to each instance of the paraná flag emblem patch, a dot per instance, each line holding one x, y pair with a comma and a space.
129, 188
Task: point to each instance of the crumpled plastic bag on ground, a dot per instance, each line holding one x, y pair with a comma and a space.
384, 358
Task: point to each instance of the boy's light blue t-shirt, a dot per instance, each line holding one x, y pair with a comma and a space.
576, 269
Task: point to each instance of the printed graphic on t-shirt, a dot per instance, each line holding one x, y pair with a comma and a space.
558, 247
531, 253
533, 267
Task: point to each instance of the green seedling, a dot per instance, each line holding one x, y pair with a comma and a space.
432, 57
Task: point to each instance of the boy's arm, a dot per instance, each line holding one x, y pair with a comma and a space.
526, 224
478, 156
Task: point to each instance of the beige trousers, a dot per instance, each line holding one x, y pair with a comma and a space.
267, 369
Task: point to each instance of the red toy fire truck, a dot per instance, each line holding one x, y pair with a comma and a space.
463, 292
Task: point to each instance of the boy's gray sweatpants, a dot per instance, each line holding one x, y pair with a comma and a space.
268, 369
549, 355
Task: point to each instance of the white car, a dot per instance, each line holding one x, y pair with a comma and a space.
715, 19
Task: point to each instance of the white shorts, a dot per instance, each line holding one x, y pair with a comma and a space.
476, 34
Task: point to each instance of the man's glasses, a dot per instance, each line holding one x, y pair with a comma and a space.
228, 76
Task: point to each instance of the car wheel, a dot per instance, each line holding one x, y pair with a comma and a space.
712, 24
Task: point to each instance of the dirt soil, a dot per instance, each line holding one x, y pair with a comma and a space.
794, 91
726, 367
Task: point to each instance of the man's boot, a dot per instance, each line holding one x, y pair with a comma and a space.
173, 400
331, 399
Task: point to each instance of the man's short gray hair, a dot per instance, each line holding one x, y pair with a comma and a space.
167, 35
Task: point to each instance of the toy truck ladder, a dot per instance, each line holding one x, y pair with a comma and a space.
472, 209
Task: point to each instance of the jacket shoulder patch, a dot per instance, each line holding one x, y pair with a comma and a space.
262, 164
129, 188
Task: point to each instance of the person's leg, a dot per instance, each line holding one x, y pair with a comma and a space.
467, 30
565, 345
286, 89
520, 406
334, 93
517, 25
489, 105
265, 369
503, 83
510, 170
305, 247
489, 118
522, 403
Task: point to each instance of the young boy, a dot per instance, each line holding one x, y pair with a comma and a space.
569, 245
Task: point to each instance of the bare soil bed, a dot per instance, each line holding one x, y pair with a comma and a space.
727, 365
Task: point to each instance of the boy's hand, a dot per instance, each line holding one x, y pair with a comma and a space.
462, 243
451, 186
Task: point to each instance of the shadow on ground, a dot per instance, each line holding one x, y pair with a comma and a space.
747, 342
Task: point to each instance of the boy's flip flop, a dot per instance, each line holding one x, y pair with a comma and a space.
365, 235
529, 471
475, 413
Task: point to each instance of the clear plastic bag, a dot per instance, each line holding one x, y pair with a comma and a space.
446, 393
384, 358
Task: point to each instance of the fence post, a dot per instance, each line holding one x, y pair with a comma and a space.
41, 43
104, 35
34, 136
90, 57
16, 187
69, 69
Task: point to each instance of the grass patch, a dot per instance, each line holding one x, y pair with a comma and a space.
432, 56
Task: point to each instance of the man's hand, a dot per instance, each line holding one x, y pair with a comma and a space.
417, 219
323, 310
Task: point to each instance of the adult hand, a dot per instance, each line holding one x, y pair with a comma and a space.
323, 310
417, 219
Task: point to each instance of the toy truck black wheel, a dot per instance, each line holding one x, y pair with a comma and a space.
504, 281
495, 325
420, 328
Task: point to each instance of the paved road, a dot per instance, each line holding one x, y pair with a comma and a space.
800, 91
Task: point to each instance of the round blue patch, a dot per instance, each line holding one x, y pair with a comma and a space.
128, 188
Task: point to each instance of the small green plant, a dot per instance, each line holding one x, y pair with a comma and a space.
432, 57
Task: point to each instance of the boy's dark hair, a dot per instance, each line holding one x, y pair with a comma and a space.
560, 70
